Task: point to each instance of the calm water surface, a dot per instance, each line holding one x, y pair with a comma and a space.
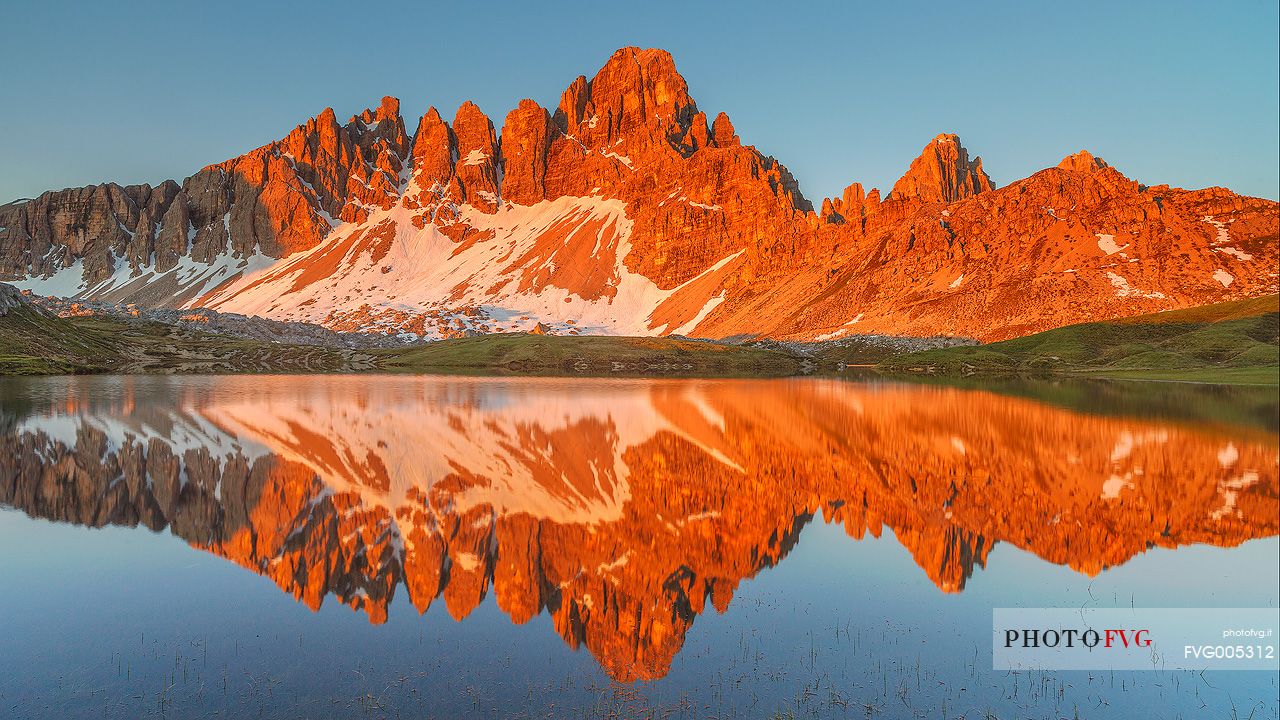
441, 547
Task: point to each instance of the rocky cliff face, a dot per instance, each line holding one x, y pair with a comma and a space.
622, 513
942, 173
1079, 241
165, 245
11, 300
626, 209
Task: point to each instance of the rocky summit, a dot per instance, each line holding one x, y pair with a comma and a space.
626, 209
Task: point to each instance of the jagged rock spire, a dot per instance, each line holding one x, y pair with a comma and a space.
942, 173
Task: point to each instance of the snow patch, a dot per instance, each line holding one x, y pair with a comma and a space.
1223, 236
1107, 244
1236, 253
190, 275
66, 282
839, 332
1123, 290
626, 161
1114, 484
476, 284
1230, 491
1228, 455
711, 304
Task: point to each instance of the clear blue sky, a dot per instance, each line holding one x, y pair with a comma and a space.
1177, 92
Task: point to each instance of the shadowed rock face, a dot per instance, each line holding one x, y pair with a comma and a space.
622, 510
626, 210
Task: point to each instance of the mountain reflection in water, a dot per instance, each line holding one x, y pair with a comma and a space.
620, 508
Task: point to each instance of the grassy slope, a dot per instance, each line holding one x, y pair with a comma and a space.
854, 353
36, 344
545, 354
1228, 342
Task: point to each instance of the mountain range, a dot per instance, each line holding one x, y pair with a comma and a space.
628, 210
